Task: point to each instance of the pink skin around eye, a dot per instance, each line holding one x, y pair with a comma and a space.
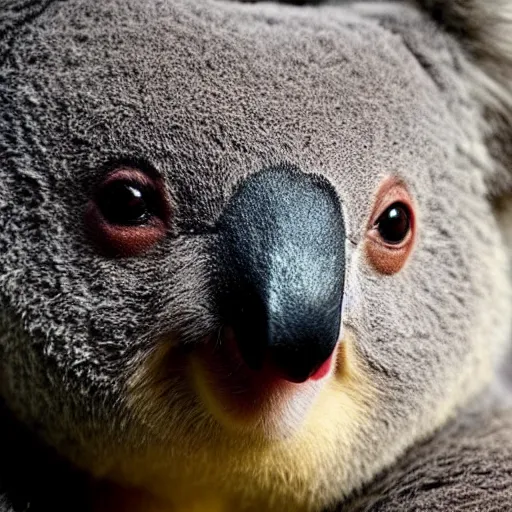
127, 241
389, 258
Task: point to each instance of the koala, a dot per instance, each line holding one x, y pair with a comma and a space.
255, 257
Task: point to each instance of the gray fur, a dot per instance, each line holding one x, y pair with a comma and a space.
207, 92
468, 466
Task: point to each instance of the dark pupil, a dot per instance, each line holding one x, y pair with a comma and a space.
126, 203
394, 224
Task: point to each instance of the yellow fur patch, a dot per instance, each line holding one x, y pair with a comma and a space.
193, 463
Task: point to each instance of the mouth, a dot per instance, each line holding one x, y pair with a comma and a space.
279, 262
262, 400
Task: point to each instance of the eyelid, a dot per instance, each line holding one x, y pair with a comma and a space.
129, 175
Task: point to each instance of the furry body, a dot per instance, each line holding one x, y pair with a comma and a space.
205, 94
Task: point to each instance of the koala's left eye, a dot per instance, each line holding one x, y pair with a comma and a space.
391, 230
128, 213
394, 224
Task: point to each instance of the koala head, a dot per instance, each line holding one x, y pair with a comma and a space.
250, 251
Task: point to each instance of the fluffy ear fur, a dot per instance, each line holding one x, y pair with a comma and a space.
484, 28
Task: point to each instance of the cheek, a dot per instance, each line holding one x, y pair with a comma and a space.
352, 290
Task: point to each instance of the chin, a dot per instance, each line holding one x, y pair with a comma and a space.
252, 439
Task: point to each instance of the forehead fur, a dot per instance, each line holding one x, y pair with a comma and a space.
248, 86
205, 93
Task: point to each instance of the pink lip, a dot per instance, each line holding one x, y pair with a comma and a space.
323, 370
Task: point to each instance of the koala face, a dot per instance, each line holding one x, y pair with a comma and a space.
245, 251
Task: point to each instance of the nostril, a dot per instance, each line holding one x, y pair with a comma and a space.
294, 344
292, 366
245, 315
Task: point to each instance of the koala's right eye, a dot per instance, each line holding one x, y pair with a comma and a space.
128, 213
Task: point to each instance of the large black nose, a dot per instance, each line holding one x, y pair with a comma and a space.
281, 270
